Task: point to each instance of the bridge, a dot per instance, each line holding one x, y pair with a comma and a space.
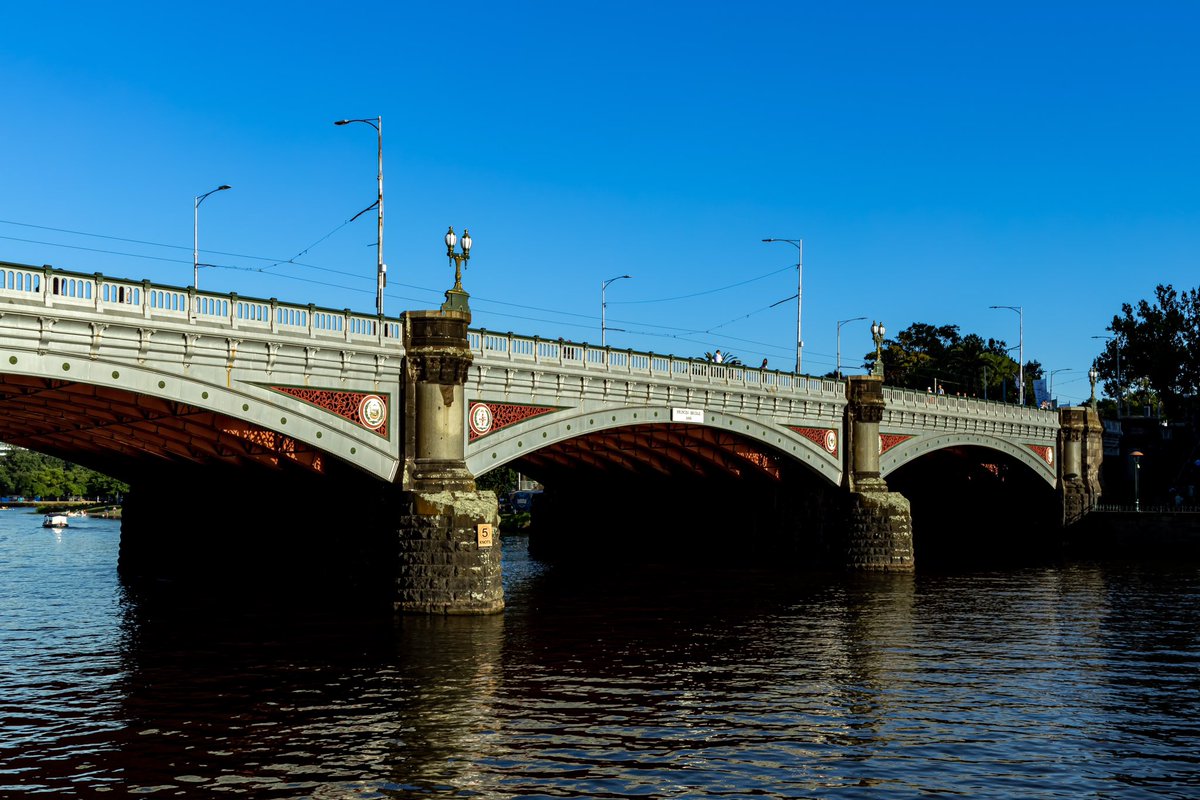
185, 393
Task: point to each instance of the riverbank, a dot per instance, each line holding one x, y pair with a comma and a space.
1136, 534
89, 507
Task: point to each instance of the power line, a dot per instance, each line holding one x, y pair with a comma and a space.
680, 335
700, 294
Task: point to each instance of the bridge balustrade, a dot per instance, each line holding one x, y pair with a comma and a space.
120, 294
19, 281
50, 287
924, 402
534, 352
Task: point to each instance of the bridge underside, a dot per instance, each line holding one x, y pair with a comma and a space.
675, 493
655, 451
978, 505
128, 435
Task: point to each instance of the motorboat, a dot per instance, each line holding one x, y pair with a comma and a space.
54, 521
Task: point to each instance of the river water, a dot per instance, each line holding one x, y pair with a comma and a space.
1063, 681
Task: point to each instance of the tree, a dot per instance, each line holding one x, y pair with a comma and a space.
24, 472
1159, 351
924, 356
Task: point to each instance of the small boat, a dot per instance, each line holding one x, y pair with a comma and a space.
54, 521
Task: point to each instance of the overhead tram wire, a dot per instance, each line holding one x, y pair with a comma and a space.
345, 287
706, 291
680, 336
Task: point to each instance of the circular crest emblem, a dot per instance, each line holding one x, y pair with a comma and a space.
481, 418
831, 441
1050, 456
372, 411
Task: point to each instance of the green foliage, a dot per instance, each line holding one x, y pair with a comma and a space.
728, 359
1159, 351
501, 480
29, 474
923, 356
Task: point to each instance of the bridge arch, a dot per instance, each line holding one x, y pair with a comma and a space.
120, 415
559, 427
1040, 460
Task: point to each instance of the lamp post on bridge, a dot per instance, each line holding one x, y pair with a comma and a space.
799, 245
196, 233
381, 268
1093, 374
878, 331
842, 322
456, 298
604, 306
1021, 350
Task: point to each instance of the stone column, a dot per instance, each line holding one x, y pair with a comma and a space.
1081, 452
449, 556
879, 533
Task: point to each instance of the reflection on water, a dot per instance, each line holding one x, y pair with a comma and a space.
1045, 682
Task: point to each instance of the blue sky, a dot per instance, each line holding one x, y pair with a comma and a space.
937, 158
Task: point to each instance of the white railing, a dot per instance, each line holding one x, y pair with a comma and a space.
558, 355
926, 402
52, 288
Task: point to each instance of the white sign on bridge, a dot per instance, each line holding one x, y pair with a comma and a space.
687, 415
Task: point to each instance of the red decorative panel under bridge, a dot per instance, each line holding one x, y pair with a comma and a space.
362, 408
484, 418
825, 438
889, 440
1044, 453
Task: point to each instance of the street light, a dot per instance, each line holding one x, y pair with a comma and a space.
1120, 386
1021, 343
1137, 468
381, 269
799, 245
1093, 374
842, 322
877, 333
604, 305
196, 233
456, 298
1052, 373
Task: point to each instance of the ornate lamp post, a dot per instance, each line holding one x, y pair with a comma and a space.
381, 268
196, 233
604, 305
456, 298
1093, 374
878, 331
1021, 352
799, 245
842, 322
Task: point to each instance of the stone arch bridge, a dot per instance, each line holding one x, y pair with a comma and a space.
141, 380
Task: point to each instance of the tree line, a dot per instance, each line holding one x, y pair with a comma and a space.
24, 473
1153, 357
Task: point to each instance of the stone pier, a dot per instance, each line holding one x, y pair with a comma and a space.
449, 554
879, 522
1081, 443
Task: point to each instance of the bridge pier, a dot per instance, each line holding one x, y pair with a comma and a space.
449, 553
879, 530
1081, 443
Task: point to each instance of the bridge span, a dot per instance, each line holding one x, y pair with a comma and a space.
168, 387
